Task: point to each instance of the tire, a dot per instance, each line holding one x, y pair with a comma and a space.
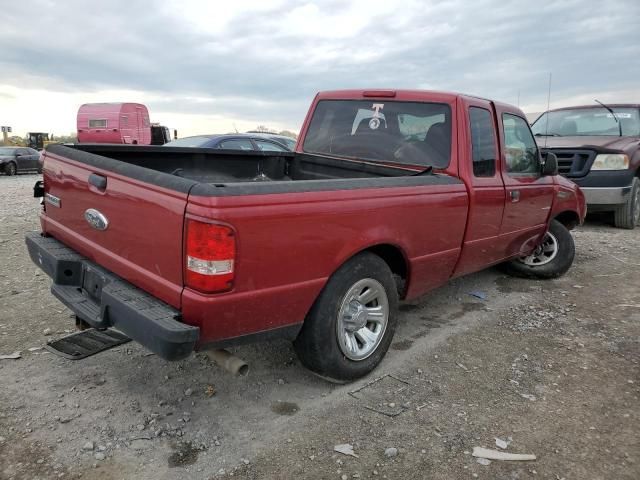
628, 215
329, 343
11, 169
546, 263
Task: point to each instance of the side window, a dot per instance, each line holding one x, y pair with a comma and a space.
269, 147
521, 151
98, 123
236, 144
483, 142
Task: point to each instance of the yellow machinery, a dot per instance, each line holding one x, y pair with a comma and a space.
37, 140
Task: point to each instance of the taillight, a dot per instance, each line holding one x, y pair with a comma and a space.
209, 256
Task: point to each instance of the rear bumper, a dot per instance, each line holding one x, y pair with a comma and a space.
104, 300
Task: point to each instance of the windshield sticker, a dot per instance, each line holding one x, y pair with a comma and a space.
374, 123
609, 115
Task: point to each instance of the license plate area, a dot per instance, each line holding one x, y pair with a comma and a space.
93, 282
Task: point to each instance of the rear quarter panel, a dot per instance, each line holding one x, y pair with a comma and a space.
289, 244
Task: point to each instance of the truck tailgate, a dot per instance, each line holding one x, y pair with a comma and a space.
128, 226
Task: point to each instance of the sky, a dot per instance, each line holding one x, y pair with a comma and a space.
207, 67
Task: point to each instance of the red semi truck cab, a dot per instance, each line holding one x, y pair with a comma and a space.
388, 195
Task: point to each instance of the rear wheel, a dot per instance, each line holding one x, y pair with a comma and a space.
628, 215
10, 169
350, 327
551, 259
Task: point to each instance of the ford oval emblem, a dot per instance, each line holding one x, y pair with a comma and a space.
96, 219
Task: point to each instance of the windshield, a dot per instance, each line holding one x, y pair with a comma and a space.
588, 121
401, 132
289, 142
189, 142
7, 151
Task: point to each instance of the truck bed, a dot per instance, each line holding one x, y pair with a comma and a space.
205, 165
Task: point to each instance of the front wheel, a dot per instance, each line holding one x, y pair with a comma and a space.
628, 215
350, 326
551, 259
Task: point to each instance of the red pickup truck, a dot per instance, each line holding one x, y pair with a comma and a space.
388, 195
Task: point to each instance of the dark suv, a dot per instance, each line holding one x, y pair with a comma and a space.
598, 147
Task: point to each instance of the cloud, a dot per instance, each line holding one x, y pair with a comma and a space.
263, 61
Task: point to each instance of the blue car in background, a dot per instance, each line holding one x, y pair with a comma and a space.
288, 142
232, 141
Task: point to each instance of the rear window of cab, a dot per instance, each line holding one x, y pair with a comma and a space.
413, 133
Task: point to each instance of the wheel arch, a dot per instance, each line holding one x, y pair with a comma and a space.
395, 258
569, 218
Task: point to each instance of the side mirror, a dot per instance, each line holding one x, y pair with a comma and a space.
549, 164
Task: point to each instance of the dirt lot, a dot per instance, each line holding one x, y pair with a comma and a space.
552, 365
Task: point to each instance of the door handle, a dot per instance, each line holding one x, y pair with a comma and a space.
98, 181
515, 195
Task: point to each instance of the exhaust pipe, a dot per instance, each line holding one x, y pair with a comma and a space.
228, 361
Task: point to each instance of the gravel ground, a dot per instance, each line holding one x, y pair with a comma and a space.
550, 367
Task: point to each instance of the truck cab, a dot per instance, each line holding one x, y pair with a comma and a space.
598, 148
160, 134
37, 140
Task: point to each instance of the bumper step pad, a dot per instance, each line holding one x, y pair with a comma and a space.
83, 344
